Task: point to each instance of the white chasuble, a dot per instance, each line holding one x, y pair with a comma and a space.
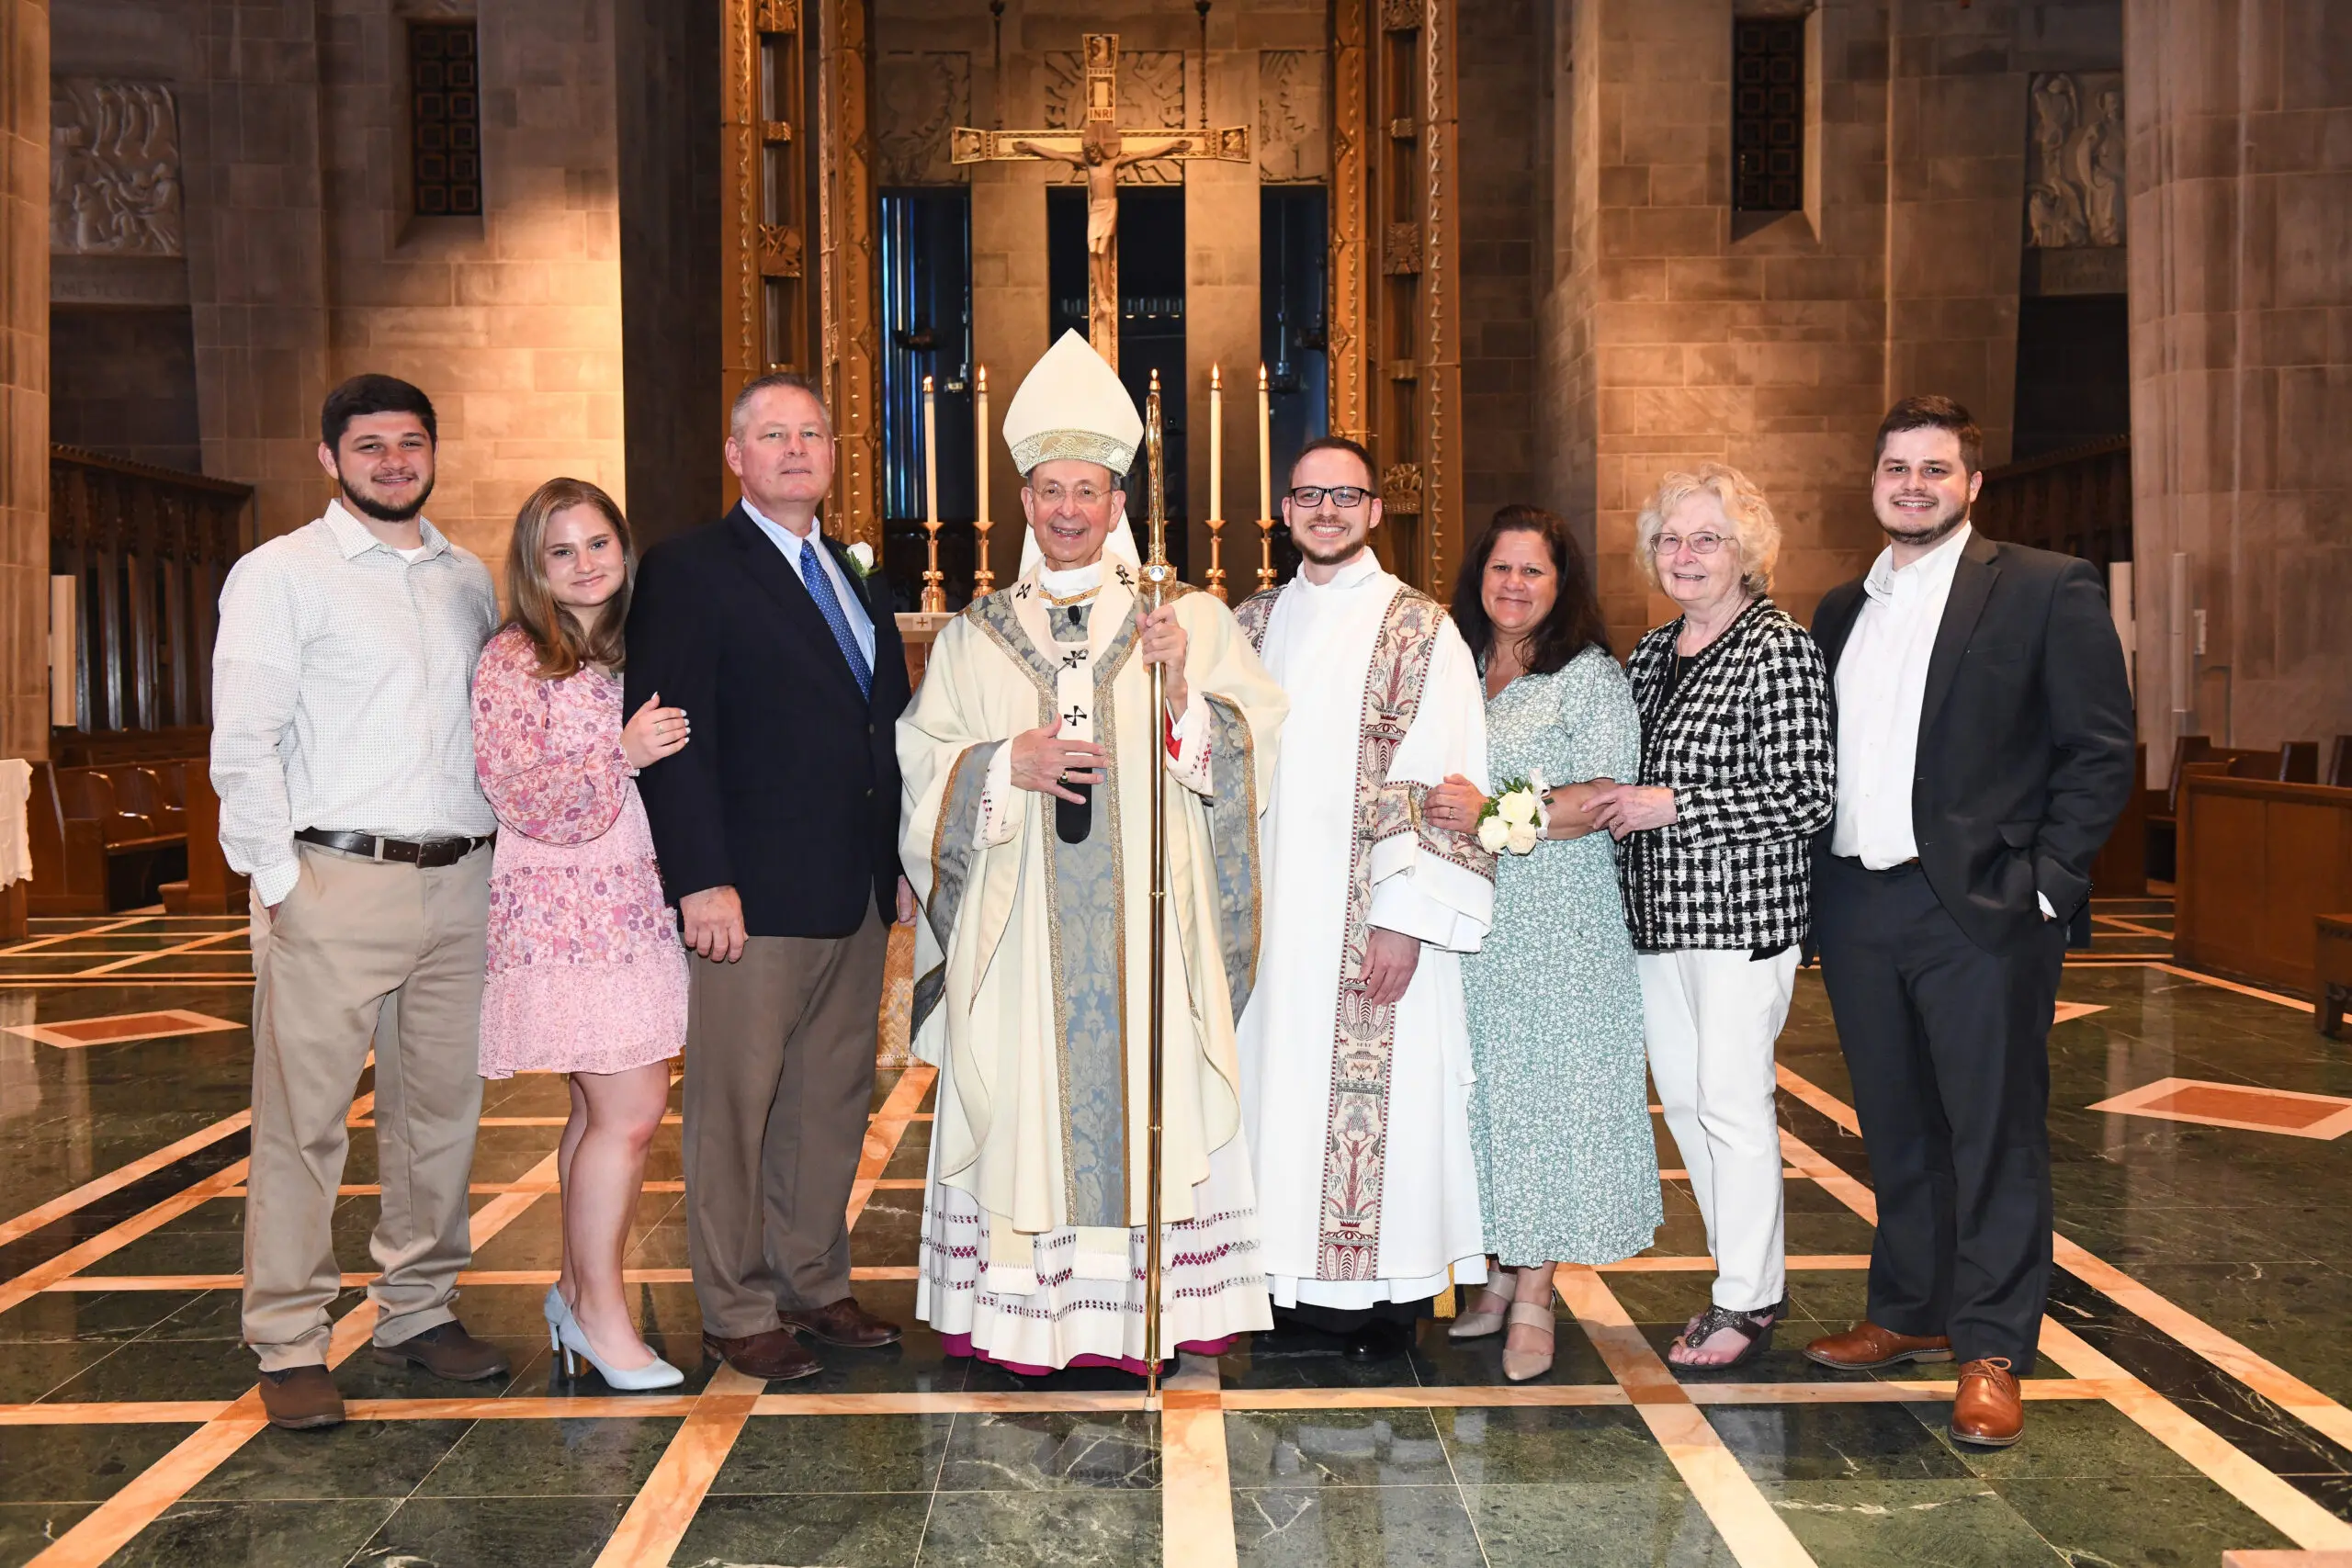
1358, 1117
1032, 965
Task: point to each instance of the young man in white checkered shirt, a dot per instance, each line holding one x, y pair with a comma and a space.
343, 752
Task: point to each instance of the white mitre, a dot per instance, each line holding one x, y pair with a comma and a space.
1073, 405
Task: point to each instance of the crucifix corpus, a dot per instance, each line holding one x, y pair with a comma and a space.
1098, 149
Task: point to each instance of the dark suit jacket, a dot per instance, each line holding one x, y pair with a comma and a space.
789, 790
2025, 736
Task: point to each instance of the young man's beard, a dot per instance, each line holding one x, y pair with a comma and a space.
1941, 528
379, 511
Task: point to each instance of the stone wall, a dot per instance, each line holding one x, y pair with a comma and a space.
24, 378
510, 321
302, 265
1667, 339
123, 382
1499, 66
2240, 114
1671, 330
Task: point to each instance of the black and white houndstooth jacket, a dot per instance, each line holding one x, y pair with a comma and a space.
1745, 744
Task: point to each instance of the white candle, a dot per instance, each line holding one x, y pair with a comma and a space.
930, 455
1216, 445
980, 438
1265, 447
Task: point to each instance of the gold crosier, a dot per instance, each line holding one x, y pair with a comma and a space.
1157, 575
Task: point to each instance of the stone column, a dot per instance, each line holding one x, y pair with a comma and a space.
24, 378
1955, 168
252, 140
2241, 216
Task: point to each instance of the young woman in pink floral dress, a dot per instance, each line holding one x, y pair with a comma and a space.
586, 975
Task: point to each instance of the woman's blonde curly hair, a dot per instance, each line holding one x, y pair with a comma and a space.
1754, 531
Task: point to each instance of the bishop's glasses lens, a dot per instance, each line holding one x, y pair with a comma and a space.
1342, 496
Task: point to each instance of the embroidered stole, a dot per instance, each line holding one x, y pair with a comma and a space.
1365, 1036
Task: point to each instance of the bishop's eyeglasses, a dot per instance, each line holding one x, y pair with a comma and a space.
1342, 496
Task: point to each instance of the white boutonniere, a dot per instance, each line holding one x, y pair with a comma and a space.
861, 560
1513, 817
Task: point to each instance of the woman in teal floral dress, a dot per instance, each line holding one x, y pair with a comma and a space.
1559, 1119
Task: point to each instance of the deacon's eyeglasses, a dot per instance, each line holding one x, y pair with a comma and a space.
1342, 496
1666, 546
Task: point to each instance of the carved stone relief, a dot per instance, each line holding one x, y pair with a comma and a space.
922, 96
1293, 120
2074, 165
114, 169
1151, 97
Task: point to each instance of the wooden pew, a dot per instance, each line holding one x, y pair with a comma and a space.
2121, 869
90, 855
211, 888
2260, 860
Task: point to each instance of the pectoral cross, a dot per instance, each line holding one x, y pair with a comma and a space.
1099, 150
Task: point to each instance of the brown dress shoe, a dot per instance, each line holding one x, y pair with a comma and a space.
301, 1399
843, 1322
773, 1355
1866, 1346
1988, 1410
446, 1351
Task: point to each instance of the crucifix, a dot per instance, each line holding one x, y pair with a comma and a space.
1099, 150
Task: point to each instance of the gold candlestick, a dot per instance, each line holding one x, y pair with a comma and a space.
1216, 478
1265, 483
934, 596
983, 580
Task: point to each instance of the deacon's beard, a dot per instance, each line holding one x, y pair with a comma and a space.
381, 511
1341, 556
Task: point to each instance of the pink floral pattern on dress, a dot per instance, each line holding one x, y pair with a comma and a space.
586, 972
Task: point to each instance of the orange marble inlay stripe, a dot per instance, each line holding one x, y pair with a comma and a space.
665, 1504
2243, 1105
121, 1029
2287, 1510
1749, 1525
111, 1527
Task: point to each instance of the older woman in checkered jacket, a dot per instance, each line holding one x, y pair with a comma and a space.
1739, 774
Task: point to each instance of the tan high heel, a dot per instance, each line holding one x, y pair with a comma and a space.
1479, 1324
1519, 1366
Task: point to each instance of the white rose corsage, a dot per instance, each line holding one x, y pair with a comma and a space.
1513, 817
861, 559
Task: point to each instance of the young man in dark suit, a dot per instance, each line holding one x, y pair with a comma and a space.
1984, 746
778, 840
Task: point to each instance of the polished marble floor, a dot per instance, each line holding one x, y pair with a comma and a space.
2191, 1396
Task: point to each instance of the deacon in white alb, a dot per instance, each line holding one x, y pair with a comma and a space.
1028, 756
1355, 1050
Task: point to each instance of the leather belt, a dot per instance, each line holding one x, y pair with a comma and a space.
426, 854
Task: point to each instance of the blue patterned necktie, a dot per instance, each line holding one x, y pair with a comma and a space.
828, 604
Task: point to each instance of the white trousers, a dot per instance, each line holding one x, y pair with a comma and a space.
1712, 1017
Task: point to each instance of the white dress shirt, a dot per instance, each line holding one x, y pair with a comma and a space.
861, 625
1881, 685
342, 693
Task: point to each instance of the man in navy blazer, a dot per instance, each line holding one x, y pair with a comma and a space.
778, 832
1984, 745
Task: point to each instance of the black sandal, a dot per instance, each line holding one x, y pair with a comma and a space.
1756, 1327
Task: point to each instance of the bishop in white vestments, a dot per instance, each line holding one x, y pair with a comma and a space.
1355, 1050
1028, 757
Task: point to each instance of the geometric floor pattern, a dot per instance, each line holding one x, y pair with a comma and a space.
2189, 1398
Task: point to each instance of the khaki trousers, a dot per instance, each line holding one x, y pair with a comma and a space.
779, 1075
363, 952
